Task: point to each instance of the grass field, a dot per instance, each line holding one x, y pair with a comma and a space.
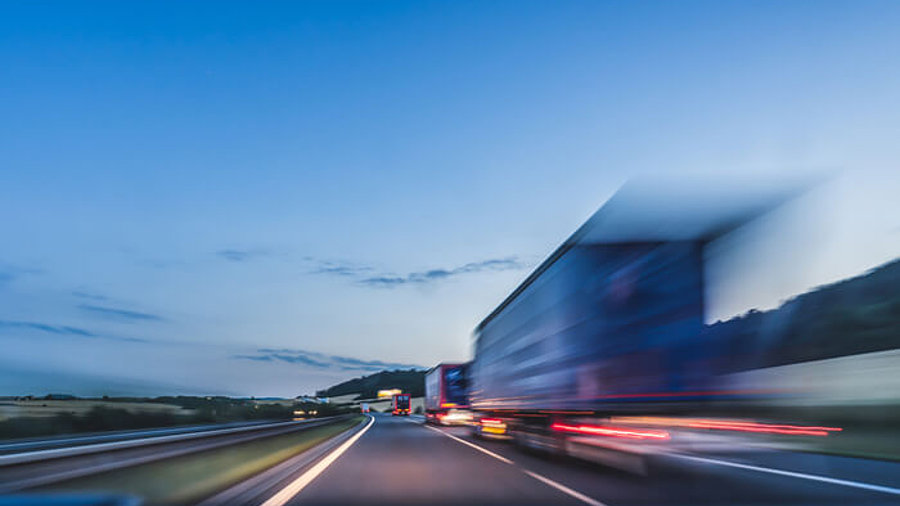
191, 478
47, 408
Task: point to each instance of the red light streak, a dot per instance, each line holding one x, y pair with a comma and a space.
620, 432
734, 425
791, 430
698, 393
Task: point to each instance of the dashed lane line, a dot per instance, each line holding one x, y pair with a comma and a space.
543, 479
793, 474
501, 458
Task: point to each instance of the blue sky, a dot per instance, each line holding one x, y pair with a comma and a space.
185, 185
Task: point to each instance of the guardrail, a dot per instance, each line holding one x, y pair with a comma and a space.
36, 468
53, 453
79, 439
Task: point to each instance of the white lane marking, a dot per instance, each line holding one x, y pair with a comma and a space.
543, 479
482, 450
292, 489
813, 477
564, 489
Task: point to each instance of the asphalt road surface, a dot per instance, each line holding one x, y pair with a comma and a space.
401, 461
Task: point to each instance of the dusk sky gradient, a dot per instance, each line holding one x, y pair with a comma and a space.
264, 198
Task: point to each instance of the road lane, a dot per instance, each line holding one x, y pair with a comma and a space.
399, 462
676, 482
293, 488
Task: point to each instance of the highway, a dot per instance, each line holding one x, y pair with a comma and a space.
401, 461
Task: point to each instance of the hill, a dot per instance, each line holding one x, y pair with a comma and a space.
411, 381
856, 315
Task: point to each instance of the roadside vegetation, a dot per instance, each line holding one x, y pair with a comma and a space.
191, 478
49, 416
411, 381
853, 316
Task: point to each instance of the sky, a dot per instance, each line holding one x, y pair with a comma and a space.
265, 198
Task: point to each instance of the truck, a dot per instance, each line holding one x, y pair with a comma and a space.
446, 394
600, 349
603, 330
400, 404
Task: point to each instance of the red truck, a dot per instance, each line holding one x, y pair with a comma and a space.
400, 405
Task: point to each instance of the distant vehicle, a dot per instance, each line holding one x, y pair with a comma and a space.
364, 407
400, 405
446, 395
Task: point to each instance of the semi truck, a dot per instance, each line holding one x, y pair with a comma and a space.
446, 394
400, 404
604, 329
607, 338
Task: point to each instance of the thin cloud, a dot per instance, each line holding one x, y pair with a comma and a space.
342, 270
119, 314
241, 255
50, 329
339, 268
321, 360
292, 350
257, 358
59, 330
89, 296
429, 276
9, 273
300, 359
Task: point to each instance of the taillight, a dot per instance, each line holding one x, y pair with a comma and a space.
620, 432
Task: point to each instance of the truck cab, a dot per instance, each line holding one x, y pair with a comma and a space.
400, 405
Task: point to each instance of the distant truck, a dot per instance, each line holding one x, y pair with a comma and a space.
364, 407
400, 404
446, 395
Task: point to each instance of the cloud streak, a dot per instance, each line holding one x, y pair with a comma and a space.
59, 330
363, 275
119, 314
345, 270
321, 360
338, 268
241, 255
8, 273
89, 296
433, 275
